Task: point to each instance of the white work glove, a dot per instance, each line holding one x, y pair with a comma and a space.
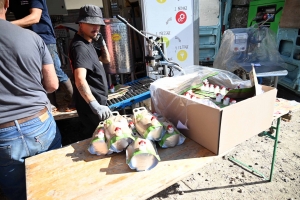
103, 112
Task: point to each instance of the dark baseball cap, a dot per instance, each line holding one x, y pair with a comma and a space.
90, 14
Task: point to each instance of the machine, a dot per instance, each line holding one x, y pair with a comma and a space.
157, 65
243, 48
267, 11
156, 61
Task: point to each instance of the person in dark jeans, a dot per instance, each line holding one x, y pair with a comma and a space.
91, 89
27, 127
33, 14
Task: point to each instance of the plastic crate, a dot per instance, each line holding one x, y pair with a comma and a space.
288, 42
138, 92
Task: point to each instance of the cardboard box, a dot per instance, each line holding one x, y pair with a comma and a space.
218, 130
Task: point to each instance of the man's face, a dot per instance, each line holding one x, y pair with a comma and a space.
90, 30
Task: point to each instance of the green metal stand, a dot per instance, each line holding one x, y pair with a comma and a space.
267, 134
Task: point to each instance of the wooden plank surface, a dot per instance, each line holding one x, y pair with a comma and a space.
64, 115
71, 172
283, 106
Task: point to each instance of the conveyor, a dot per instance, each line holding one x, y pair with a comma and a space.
138, 91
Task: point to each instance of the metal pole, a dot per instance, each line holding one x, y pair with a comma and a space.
196, 32
275, 81
125, 22
122, 79
246, 166
275, 148
165, 52
109, 80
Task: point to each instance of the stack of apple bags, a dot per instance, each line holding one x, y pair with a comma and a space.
136, 134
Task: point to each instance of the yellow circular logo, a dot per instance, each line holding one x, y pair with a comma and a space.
161, 1
167, 41
182, 55
116, 37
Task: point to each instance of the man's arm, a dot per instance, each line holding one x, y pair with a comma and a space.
33, 18
50, 80
105, 57
82, 85
84, 89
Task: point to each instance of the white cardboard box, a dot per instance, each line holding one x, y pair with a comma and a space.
218, 130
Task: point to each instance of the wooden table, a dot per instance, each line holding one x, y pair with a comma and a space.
71, 172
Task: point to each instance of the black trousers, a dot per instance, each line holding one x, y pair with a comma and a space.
89, 121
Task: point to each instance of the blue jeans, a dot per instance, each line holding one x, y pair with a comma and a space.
61, 75
22, 141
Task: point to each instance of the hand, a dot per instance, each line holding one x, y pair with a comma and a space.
100, 40
103, 112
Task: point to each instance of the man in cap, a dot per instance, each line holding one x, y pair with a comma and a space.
90, 79
33, 14
27, 126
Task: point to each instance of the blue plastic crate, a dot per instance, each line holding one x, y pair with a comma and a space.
210, 31
288, 42
138, 92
